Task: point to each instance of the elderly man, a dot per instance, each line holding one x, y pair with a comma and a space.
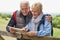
40, 24
20, 18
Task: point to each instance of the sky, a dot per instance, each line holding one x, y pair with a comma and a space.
50, 6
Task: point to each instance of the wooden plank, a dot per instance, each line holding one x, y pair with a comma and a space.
1, 38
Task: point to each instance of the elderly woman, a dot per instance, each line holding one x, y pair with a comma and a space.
40, 24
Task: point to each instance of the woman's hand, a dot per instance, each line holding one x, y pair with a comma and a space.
31, 33
48, 18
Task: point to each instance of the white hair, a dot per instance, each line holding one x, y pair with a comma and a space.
24, 2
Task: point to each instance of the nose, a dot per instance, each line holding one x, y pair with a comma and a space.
24, 11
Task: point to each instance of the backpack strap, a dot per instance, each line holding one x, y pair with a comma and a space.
41, 22
51, 28
14, 15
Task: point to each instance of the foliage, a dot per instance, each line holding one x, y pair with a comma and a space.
56, 21
5, 16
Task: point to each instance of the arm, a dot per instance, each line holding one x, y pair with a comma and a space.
44, 30
26, 28
11, 23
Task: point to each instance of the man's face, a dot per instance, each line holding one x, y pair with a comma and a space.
24, 9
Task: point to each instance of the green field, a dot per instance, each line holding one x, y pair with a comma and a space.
4, 22
56, 32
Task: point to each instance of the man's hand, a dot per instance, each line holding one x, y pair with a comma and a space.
48, 18
31, 33
25, 29
12, 30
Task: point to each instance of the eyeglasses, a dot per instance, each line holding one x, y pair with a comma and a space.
24, 9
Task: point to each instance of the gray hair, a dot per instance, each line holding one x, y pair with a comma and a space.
24, 2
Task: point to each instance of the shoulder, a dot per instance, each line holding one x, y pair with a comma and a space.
15, 12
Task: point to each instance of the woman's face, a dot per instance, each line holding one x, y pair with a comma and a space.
35, 12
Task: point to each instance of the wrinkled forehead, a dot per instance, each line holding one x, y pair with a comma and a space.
35, 9
24, 5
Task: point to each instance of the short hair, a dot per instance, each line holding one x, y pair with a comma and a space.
24, 2
38, 5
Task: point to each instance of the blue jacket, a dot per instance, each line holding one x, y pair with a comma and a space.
44, 29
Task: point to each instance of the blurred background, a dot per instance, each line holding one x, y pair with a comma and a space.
7, 7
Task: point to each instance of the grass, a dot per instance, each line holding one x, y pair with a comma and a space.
3, 24
56, 32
